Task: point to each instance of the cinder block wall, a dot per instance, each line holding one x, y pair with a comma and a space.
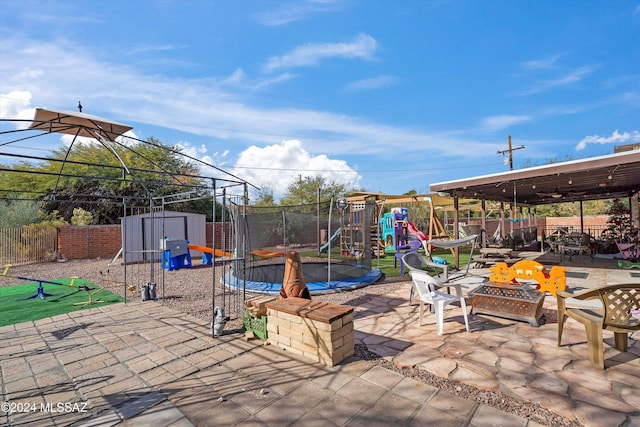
104, 241
89, 242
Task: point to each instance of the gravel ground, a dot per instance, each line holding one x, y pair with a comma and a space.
190, 291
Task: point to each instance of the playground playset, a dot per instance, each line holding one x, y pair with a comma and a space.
400, 236
396, 230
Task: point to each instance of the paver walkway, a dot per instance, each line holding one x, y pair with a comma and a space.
140, 364
143, 364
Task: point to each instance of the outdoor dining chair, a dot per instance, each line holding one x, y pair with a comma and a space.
616, 311
428, 290
418, 262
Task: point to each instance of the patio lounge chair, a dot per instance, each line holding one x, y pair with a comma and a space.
427, 287
451, 244
616, 315
417, 262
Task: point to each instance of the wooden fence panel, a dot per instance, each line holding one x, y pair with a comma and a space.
28, 245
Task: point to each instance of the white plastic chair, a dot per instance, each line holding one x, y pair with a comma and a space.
417, 262
427, 287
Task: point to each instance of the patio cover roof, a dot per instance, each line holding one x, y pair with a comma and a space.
436, 199
604, 177
79, 124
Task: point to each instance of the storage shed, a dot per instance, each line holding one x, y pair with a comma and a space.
143, 235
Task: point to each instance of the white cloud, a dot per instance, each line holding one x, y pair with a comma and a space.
542, 64
496, 123
140, 49
615, 138
239, 80
296, 11
362, 47
16, 105
274, 166
128, 138
372, 83
572, 77
203, 107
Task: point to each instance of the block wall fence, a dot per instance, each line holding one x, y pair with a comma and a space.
104, 241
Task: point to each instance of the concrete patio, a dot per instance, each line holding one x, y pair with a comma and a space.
141, 363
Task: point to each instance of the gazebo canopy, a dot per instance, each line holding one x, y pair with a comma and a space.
77, 124
605, 177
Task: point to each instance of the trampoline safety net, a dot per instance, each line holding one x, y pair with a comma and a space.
320, 233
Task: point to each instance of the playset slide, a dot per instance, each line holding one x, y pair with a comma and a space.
423, 239
415, 232
207, 250
334, 237
260, 253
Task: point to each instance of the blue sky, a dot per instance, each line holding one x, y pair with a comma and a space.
385, 95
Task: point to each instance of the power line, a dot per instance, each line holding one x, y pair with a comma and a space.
475, 165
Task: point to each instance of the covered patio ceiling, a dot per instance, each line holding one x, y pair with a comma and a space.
605, 177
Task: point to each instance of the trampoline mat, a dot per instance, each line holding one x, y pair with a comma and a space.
269, 277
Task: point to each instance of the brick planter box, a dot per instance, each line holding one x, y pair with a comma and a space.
315, 330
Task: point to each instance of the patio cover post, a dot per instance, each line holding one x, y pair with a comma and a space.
502, 222
483, 221
456, 230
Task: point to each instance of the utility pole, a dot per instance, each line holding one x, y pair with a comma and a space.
510, 150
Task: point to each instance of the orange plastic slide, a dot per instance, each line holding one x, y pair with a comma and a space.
216, 252
265, 254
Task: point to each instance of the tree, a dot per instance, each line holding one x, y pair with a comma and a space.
16, 213
265, 199
589, 207
619, 225
81, 217
91, 177
304, 191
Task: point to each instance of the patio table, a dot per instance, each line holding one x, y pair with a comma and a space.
491, 256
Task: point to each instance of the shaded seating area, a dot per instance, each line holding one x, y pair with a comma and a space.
617, 312
579, 244
491, 256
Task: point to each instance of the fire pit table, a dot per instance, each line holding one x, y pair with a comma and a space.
519, 302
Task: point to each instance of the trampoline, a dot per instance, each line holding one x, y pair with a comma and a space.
267, 278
